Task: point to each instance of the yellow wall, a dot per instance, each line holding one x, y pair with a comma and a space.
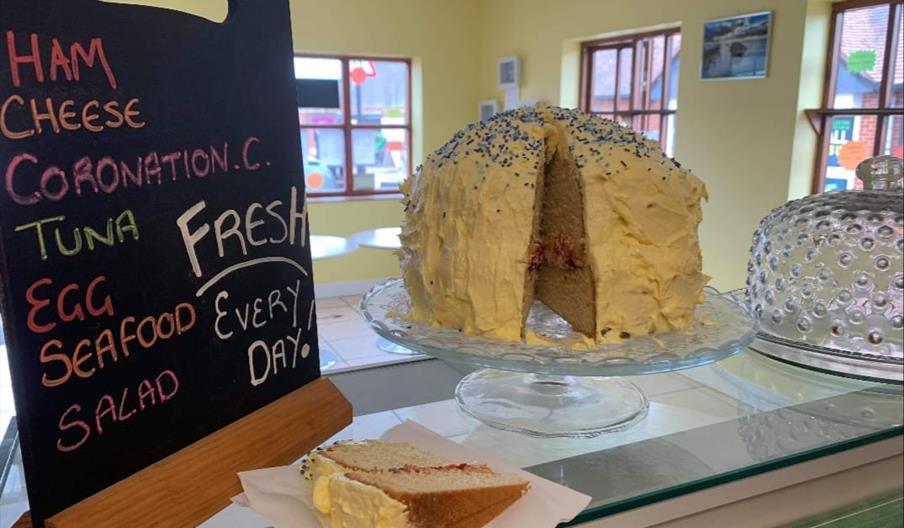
747, 139
737, 135
434, 34
438, 36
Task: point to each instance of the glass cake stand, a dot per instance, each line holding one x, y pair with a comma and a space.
561, 388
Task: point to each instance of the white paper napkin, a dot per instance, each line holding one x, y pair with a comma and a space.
283, 496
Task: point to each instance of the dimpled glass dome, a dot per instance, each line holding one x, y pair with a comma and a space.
826, 270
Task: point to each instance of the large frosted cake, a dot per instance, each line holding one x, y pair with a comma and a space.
546, 203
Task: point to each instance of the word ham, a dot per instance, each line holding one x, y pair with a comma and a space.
88, 177
148, 394
87, 356
256, 313
119, 226
239, 228
270, 356
58, 63
21, 118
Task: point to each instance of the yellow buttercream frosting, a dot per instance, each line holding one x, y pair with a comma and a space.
322, 471
358, 505
469, 223
352, 504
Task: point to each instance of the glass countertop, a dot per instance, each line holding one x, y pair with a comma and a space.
706, 426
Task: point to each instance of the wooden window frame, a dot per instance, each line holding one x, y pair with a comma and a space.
819, 118
638, 97
347, 127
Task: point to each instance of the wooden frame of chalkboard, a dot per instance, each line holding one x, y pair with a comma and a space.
193, 484
186, 488
155, 268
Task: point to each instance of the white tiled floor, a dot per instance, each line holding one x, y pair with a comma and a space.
342, 329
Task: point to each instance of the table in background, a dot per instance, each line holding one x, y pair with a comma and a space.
383, 238
323, 247
380, 238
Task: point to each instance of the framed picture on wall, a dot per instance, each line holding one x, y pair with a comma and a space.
508, 75
487, 109
736, 47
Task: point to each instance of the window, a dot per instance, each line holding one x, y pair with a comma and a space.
355, 122
634, 80
861, 115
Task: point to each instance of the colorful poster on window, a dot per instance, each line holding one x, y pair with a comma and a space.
842, 132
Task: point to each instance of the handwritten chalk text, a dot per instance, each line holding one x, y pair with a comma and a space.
75, 428
264, 359
115, 232
60, 64
87, 177
256, 313
21, 118
86, 356
234, 233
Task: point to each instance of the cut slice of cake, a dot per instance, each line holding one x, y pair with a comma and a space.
456, 496
376, 484
369, 455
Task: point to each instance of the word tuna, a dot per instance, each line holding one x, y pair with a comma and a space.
115, 232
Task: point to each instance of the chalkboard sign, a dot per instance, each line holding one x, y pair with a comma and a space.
156, 275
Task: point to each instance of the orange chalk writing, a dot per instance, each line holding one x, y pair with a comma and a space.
62, 361
21, 118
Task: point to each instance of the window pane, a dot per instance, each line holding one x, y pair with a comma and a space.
324, 158
858, 74
651, 126
669, 146
655, 76
379, 92
674, 69
641, 65
894, 133
602, 92
627, 120
897, 91
380, 157
625, 73
319, 86
851, 140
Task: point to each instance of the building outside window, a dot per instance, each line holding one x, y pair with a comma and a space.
634, 80
354, 121
862, 105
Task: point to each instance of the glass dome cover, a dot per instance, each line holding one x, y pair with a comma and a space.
825, 271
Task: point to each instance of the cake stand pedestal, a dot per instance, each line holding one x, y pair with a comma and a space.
543, 405
561, 388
